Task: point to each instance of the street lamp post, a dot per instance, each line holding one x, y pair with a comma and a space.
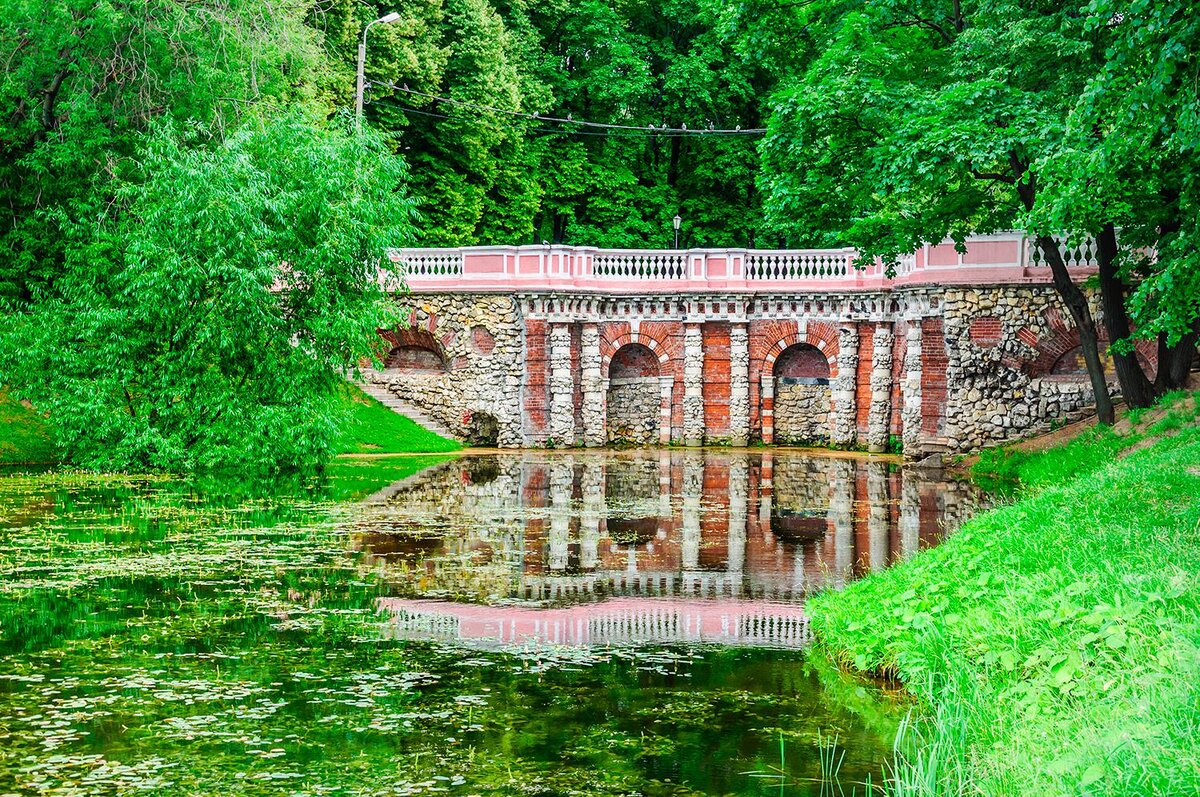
677, 221
362, 63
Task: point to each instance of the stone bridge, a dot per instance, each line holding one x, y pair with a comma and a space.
575, 346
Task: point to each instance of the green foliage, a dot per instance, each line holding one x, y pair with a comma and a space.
205, 320
1056, 638
1131, 155
488, 177
915, 124
371, 427
83, 80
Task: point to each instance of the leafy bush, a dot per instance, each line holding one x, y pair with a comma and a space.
206, 318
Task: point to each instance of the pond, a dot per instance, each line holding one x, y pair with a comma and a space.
537, 623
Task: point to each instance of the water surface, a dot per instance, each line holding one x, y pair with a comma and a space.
530, 623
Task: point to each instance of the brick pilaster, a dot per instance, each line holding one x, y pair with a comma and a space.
768, 408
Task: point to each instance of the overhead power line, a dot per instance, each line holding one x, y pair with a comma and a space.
643, 129
637, 133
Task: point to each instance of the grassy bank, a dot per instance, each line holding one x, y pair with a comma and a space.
374, 429
1056, 639
25, 436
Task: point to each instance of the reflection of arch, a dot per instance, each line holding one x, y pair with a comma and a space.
482, 429
631, 531
792, 526
804, 363
414, 350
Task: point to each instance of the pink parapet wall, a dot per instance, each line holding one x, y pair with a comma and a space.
616, 621
988, 260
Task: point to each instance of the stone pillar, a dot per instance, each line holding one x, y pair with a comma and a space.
693, 384
879, 514
666, 384
591, 513
910, 414
739, 384
593, 386
910, 514
562, 476
844, 418
768, 408
693, 485
879, 418
562, 386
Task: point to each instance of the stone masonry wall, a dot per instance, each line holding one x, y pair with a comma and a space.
801, 412
945, 369
999, 344
481, 340
633, 410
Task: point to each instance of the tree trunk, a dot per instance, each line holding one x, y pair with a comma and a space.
1174, 362
1135, 385
1089, 343
1072, 296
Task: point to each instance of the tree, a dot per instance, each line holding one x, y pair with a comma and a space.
205, 320
919, 122
83, 80
1130, 161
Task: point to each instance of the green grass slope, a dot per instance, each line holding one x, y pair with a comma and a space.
25, 437
374, 429
1055, 640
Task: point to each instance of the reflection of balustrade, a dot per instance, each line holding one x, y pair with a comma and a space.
620, 621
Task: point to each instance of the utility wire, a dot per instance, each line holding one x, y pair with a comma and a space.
642, 133
678, 131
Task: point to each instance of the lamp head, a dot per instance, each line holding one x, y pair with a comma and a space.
677, 221
389, 18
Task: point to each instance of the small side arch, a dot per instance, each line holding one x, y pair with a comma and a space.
414, 350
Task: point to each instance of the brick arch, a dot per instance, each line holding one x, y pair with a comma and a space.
823, 338
1052, 349
609, 349
414, 348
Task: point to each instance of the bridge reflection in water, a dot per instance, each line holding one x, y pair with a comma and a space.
587, 548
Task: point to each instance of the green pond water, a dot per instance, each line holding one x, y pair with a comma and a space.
527, 623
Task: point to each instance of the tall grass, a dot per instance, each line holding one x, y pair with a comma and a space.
1055, 641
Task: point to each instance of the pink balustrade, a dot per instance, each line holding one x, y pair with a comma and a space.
991, 259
